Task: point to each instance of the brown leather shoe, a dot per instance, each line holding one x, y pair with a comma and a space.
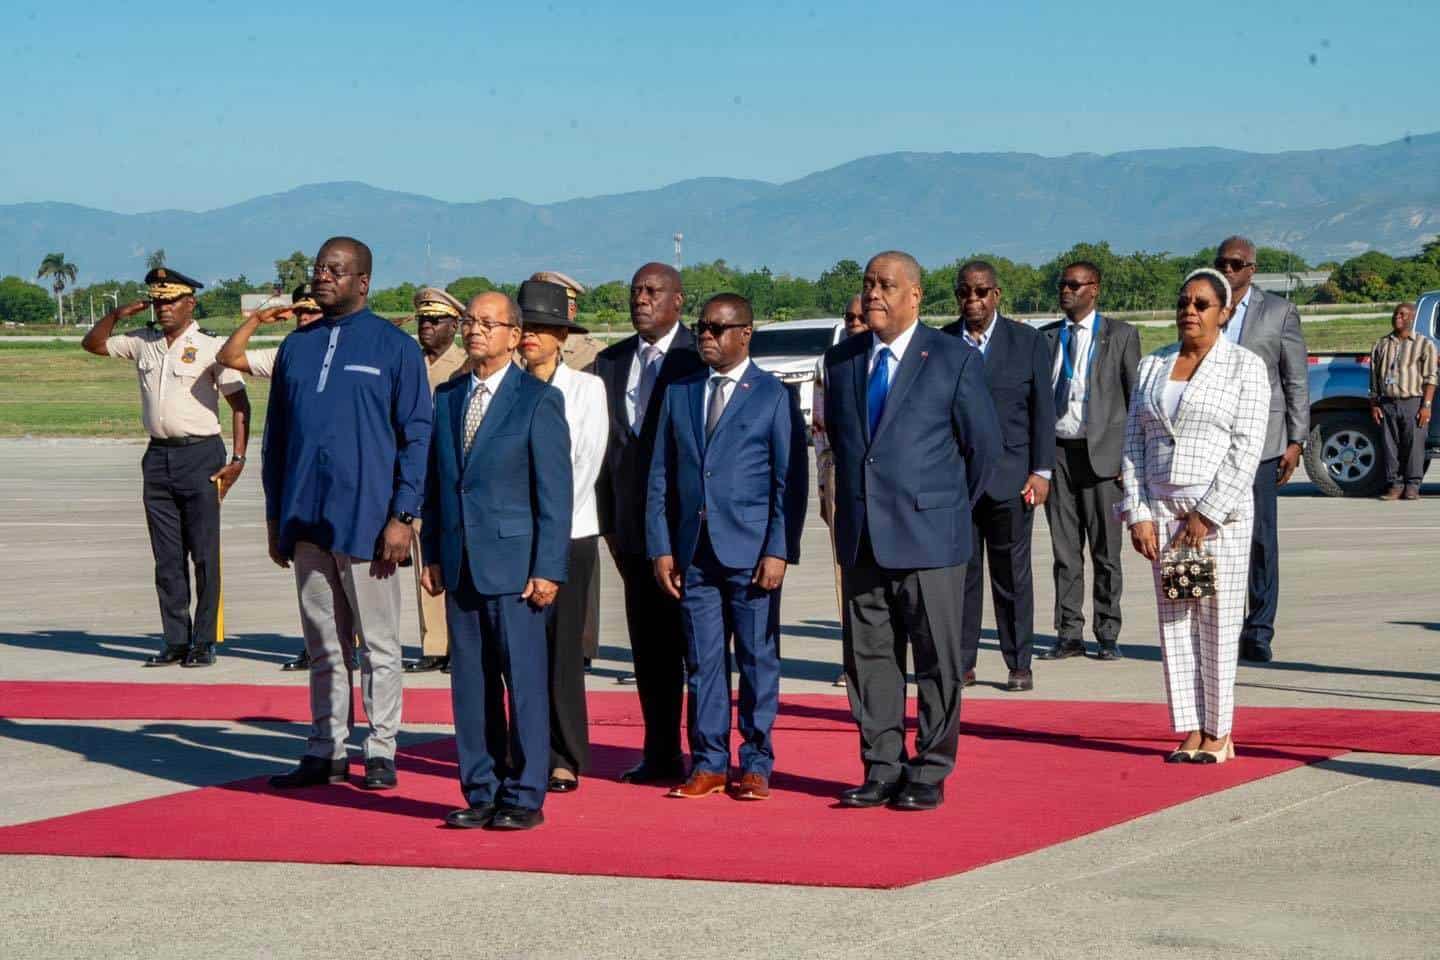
1412, 492
1020, 680
1393, 493
967, 679
700, 784
752, 786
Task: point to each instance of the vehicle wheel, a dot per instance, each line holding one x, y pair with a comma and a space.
1345, 456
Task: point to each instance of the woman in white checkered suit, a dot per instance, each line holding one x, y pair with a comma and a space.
1192, 443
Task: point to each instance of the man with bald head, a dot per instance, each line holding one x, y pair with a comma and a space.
915, 439
1269, 326
636, 372
347, 437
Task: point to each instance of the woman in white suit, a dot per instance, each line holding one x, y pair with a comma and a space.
1192, 444
575, 616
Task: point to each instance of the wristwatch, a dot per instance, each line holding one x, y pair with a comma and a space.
405, 518
238, 458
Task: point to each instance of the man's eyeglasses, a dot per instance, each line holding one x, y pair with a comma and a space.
485, 326
1232, 264
717, 330
324, 269
854, 318
964, 292
1073, 285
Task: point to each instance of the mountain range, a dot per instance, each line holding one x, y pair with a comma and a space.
1323, 204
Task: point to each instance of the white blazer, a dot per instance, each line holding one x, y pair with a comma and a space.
1215, 441
588, 417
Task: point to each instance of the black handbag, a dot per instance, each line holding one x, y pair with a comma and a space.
1187, 574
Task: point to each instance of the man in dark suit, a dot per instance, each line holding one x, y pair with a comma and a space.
1017, 370
1268, 326
915, 439
497, 539
636, 372
1094, 360
728, 486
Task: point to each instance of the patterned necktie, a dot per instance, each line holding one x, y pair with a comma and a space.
649, 370
474, 413
718, 383
879, 388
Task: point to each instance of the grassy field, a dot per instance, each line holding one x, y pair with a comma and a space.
59, 390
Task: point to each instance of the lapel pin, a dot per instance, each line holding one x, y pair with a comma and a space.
744, 386
924, 354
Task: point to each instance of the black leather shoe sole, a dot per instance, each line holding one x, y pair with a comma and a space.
470, 818
1109, 653
166, 659
561, 785
294, 781
299, 663
1063, 652
426, 665
907, 802
199, 658
866, 796
514, 818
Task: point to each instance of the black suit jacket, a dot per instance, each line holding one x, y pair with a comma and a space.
1117, 360
625, 473
1017, 369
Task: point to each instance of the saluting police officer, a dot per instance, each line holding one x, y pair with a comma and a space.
184, 467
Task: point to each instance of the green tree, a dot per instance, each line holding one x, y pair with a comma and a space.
838, 285
156, 259
60, 270
293, 270
223, 298
613, 296
466, 288
1366, 277
1274, 260
23, 302
399, 299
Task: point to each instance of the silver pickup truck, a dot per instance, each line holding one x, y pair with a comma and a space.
1345, 455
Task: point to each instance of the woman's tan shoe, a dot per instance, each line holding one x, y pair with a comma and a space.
1216, 756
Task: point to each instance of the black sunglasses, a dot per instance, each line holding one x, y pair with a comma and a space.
963, 292
717, 330
1232, 264
1073, 285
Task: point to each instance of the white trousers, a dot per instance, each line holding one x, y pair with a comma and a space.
1200, 639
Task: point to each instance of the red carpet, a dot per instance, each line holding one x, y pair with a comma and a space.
1056, 769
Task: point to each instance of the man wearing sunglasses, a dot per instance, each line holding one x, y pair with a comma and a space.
1267, 325
1094, 362
725, 510
1017, 370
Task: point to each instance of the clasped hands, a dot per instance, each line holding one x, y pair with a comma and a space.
1145, 535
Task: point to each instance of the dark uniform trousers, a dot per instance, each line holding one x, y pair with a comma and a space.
182, 511
1264, 583
1002, 528
1081, 511
572, 618
657, 643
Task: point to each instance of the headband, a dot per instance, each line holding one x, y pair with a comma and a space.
1210, 272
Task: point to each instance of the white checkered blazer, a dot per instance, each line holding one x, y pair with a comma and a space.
1215, 441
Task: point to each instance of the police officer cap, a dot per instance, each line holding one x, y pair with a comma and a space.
303, 298
168, 284
573, 287
437, 304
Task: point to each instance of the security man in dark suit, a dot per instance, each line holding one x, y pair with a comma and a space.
915, 439
636, 372
186, 476
497, 539
728, 485
1017, 369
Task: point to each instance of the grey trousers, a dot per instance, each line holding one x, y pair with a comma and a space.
1081, 511
884, 609
1404, 441
340, 599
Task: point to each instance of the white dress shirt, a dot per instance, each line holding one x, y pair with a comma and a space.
734, 376
632, 381
585, 413
982, 342
492, 383
1070, 422
897, 351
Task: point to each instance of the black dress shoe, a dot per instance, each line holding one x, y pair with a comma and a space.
426, 664
446, 668
1255, 652
312, 772
1020, 680
515, 818
871, 793
200, 657
652, 772
468, 818
300, 662
379, 774
562, 785
167, 656
919, 796
1064, 650
1110, 651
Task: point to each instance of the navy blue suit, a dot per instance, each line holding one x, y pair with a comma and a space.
494, 520
903, 537
717, 507
1017, 370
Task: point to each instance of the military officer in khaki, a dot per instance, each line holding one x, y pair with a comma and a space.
437, 315
580, 349
184, 467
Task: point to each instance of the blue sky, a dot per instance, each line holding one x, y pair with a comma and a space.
197, 105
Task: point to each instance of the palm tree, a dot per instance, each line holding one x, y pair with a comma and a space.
156, 259
55, 265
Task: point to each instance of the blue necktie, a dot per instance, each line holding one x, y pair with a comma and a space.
1062, 382
879, 388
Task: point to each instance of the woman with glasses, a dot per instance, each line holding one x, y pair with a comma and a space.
1192, 443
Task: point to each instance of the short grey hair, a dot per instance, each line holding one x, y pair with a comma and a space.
912, 266
1237, 240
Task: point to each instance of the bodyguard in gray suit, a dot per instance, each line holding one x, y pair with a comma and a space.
1269, 326
1094, 362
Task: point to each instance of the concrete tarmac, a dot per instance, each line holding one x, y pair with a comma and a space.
1340, 859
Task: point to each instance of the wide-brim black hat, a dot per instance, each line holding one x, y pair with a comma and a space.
546, 304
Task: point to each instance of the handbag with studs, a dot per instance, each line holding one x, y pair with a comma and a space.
1187, 574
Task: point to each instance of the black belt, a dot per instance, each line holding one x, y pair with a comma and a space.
181, 441
1071, 444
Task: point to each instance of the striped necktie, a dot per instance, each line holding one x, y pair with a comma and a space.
474, 413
